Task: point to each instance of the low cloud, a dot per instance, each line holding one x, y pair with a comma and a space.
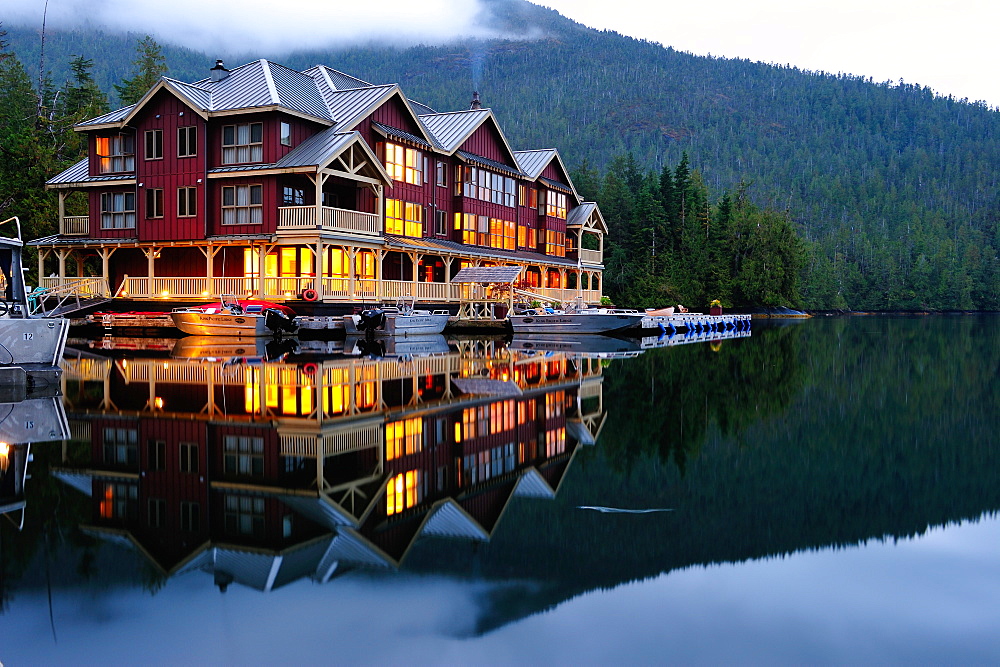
232, 26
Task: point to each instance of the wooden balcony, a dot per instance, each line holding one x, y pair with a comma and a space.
75, 225
332, 220
591, 256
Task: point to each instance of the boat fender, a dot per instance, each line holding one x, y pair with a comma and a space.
310, 294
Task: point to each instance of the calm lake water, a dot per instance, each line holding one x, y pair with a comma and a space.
819, 492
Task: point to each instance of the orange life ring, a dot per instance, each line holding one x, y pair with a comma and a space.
310, 368
310, 294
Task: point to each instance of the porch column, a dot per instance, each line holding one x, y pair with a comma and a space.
105, 254
415, 259
352, 254
151, 254
62, 211
62, 255
318, 272
379, 273
562, 285
42, 254
447, 276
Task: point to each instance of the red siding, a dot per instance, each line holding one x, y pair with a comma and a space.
554, 172
487, 142
95, 216
395, 114
271, 200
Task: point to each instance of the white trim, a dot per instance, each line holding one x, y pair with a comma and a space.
270, 81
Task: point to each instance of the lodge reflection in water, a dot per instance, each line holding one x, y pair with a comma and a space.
264, 474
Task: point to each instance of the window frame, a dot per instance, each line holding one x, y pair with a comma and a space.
187, 138
251, 207
154, 204
187, 202
252, 151
127, 214
153, 144
118, 154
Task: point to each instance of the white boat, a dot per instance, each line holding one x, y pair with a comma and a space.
576, 320
24, 340
584, 345
230, 317
403, 319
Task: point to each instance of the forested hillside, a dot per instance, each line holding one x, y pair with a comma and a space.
893, 190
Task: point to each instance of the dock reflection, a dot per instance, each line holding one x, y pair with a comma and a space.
262, 473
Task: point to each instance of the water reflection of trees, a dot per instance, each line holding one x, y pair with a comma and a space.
667, 404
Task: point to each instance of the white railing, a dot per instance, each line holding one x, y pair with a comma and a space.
591, 256
337, 289
332, 219
75, 225
66, 294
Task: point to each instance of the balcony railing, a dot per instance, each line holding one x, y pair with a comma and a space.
328, 289
332, 220
591, 256
75, 225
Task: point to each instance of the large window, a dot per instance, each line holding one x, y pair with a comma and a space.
527, 237
242, 205
404, 164
404, 437
555, 243
556, 204
486, 231
154, 203
121, 446
502, 234
293, 196
243, 455
187, 141
403, 218
242, 143
244, 515
403, 492
117, 210
154, 145
484, 185
116, 153
187, 202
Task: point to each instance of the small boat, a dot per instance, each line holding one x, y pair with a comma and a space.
403, 319
232, 317
576, 320
24, 339
228, 348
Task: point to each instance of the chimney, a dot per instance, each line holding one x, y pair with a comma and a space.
219, 72
476, 104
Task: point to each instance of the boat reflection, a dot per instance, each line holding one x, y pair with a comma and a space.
265, 474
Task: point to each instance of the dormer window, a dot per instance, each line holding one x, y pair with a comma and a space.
116, 154
242, 143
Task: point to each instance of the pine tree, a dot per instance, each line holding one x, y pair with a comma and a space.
150, 65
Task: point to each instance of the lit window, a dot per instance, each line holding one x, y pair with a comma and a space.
116, 153
403, 492
404, 218
154, 145
404, 164
555, 243
556, 207
242, 143
187, 141
242, 205
404, 437
117, 210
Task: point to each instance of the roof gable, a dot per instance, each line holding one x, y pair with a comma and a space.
546, 163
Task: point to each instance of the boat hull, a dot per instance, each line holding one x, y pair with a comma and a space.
414, 324
575, 323
220, 324
31, 340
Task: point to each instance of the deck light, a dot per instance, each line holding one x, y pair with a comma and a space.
204, 292
165, 293
158, 402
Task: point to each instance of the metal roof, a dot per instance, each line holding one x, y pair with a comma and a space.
556, 185
317, 149
297, 91
487, 274
110, 117
396, 133
461, 249
486, 162
335, 79
450, 129
578, 216
420, 107
533, 163
197, 96
347, 107
80, 173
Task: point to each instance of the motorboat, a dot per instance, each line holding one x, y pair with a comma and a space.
25, 340
405, 347
232, 317
227, 348
576, 319
585, 345
403, 319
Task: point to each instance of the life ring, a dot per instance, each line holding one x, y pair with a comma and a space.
310, 294
310, 368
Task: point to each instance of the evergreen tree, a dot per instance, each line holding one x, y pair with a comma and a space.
150, 64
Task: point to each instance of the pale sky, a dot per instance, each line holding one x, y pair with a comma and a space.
944, 44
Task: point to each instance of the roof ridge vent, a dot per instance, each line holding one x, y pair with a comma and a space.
219, 72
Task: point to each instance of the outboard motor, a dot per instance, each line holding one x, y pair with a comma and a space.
275, 350
277, 322
371, 348
371, 319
